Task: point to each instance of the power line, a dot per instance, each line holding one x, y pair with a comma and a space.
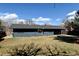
54, 3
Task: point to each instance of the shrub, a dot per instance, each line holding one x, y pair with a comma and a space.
30, 50
58, 51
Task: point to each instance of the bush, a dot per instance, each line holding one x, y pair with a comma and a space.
30, 50
58, 51
34, 50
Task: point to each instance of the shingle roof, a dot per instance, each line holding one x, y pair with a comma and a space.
24, 26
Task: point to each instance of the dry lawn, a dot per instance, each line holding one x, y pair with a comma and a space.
41, 41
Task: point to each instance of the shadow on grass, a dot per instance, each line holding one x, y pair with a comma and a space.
1, 39
67, 39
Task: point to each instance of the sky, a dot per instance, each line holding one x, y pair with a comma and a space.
40, 13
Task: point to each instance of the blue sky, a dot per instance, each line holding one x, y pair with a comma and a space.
46, 10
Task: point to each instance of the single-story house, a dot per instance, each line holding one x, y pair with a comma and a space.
34, 29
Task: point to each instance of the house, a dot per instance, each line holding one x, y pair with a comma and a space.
40, 29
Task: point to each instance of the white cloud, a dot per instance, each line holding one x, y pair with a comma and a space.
7, 18
58, 19
41, 20
12, 18
71, 17
72, 13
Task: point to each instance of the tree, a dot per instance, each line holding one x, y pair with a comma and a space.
0, 23
72, 25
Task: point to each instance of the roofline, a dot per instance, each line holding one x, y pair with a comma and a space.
36, 26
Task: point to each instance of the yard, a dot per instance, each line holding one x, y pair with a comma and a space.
39, 45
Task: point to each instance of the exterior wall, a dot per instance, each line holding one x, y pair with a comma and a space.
35, 32
9, 31
35, 28
25, 34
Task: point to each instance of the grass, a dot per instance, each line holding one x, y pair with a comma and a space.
29, 50
39, 45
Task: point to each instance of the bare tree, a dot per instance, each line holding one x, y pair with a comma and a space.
72, 24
